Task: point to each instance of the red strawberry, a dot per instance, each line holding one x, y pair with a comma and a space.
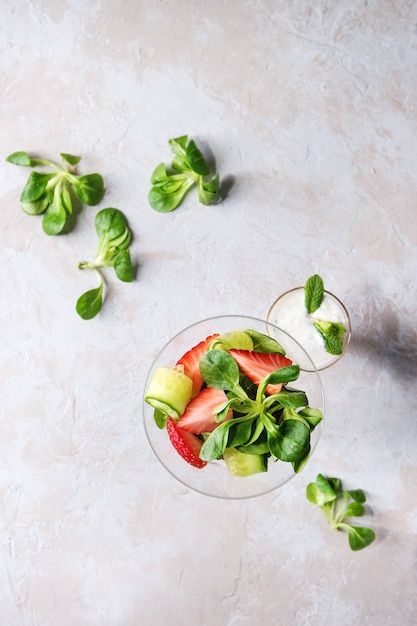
257, 365
186, 444
198, 416
190, 362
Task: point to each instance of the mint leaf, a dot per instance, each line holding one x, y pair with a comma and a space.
331, 333
314, 291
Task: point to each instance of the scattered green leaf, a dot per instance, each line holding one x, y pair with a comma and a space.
339, 506
90, 303
112, 251
189, 169
54, 194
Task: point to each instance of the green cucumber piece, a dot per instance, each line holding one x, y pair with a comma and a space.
243, 464
169, 391
237, 339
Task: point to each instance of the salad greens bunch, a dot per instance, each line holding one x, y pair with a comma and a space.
53, 194
189, 169
338, 506
277, 425
331, 332
113, 251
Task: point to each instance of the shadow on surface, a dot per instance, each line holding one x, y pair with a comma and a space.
225, 185
383, 335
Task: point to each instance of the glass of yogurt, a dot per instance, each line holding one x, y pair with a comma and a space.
289, 313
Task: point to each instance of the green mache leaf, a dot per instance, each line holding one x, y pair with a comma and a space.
354, 509
35, 187
357, 495
311, 415
169, 190
219, 370
259, 447
221, 410
258, 433
360, 537
289, 441
123, 266
264, 343
36, 208
291, 399
240, 432
282, 375
90, 303
179, 145
196, 159
159, 175
313, 495
160, 418
168, 197
70, 158
54, 219
110, 223
316, 496
298, 466
89, 189
291, 414
258, 442
313, 293
209, 191
216, 442
66, 199
335, 483
326, 489
179, 149
119, 243
20, 158
175, 183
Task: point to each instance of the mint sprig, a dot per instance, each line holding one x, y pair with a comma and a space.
338, 506
330, 331
313, 293
332, 334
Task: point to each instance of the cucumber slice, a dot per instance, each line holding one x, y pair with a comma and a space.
169, 391
238, 340
243, 464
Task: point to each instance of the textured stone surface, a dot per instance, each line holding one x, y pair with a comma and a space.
310, 112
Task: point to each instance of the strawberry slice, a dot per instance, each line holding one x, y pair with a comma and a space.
190, 362
198, 416
186, 444
257, 365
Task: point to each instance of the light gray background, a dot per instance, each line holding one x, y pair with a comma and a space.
309, 109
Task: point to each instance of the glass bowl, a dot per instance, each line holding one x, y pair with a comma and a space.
289, 313
215, 479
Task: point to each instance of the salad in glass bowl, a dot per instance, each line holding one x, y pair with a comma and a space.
227, 409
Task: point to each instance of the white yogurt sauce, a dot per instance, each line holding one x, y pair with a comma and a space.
290, 314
